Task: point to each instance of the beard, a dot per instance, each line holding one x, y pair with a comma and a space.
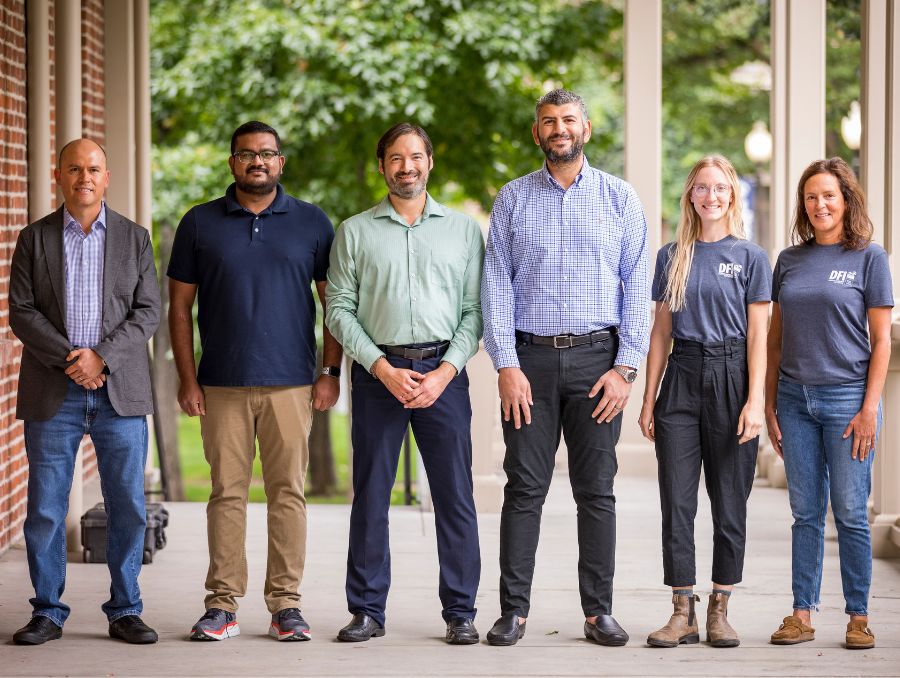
404, 190
257, 185
571, 155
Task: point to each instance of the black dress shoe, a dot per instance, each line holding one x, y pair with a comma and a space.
37, 631
605, 631
461, 632
361, 628
506, 631
132, 630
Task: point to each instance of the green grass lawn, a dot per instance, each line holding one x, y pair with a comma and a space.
195, 470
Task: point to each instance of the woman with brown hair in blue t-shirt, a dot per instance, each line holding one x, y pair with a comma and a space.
829, 346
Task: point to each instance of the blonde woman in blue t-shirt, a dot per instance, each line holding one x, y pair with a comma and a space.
711, 289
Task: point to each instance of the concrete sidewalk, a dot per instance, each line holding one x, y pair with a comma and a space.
173, 594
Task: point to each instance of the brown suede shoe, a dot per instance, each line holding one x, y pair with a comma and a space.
859, 636
792, 631
682, 625
719, 632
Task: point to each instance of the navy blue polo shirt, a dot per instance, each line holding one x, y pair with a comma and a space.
256, 311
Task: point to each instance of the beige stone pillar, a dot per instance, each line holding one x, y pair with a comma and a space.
487, 439
880, 173
68, 127
798, 130
119, 70
643, 170
142, 169
40, 167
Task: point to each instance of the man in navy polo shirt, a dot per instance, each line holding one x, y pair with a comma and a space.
251, 257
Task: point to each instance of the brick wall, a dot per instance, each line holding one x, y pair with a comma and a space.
13, 214
93, 114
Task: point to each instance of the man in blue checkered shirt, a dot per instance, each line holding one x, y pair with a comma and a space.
565, 300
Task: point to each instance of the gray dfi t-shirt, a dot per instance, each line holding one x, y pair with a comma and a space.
824, 292
726, 275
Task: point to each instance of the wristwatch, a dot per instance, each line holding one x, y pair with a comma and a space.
627, 373
331, 371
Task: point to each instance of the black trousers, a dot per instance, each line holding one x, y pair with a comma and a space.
560, 382
443, 434
696, 418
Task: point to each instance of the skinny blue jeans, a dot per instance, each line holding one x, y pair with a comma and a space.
817, 462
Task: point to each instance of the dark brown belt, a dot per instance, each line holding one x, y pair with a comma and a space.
413, 353
567, 340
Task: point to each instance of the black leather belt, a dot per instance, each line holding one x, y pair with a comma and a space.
567, 340
413, 353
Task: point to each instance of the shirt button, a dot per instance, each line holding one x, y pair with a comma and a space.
256, 230
565, 306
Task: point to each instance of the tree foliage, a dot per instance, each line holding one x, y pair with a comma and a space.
331, 77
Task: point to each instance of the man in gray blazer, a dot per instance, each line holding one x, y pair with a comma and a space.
84, 300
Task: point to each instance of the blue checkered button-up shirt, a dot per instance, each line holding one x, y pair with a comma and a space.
84, 279
566, 262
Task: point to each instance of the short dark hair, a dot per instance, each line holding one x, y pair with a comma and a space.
398, 131
560, 97
75, 141
254, 127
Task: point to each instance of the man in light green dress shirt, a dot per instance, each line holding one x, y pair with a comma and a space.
403, 300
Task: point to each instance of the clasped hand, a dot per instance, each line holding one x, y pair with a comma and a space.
87, 370
414, 389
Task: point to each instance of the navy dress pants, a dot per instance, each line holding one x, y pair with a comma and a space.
443, 436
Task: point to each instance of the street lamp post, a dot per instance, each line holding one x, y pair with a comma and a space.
758, 147
851, 132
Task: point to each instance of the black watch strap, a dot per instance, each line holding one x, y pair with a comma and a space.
332, 371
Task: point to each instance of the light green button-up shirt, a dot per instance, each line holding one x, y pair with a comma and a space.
390, 283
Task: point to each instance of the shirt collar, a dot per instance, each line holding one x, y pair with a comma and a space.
583, 173
71, 222
279, 204
432, 209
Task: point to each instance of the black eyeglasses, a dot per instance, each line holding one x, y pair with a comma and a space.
245, 157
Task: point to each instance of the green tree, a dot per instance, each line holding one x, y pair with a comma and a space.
331, 77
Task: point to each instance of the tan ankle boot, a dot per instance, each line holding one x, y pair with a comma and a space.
718, 631
682, 626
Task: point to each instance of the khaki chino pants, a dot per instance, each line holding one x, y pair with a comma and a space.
280, 417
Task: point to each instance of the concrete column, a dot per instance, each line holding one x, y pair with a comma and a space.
143, 180
798, 129
643, 170
40, 168
68, 71
880, 170
68, 127
487, 438
119, 69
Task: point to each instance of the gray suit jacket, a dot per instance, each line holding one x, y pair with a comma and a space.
37, 299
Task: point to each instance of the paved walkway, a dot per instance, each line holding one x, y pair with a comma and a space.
413, 646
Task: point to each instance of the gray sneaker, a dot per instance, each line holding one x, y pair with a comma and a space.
289, 624
216, 624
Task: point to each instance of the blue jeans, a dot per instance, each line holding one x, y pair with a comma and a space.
51, 446
817, 460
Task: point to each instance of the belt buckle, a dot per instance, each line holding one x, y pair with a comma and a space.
417, 354
566, 337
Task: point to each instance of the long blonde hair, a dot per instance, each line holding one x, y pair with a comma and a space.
681, 255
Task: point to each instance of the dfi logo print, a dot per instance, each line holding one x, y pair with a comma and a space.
842, 277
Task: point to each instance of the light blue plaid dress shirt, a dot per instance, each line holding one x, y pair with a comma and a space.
566, 262
84, 279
